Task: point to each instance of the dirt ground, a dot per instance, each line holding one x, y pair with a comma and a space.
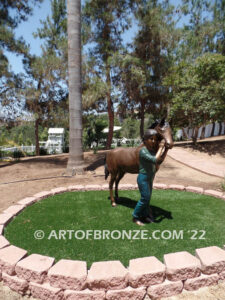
32, 175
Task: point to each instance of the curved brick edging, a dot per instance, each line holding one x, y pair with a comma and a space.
70, 280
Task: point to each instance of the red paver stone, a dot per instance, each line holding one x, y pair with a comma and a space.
222, 275
181, 265
43, 195
59, 190
126, 186
107, 275
27, 201
126, 294
45, 291
16, 284
1, 229
201, 281
9, 257
84, 295
159, 186
5, 218
68, 274
194, 189
3, 242
177, 187
34, 267
165, 289
93, 187
14, 209
213, 193
212, 259
146, 271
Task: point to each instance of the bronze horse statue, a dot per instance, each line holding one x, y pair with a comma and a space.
126, 160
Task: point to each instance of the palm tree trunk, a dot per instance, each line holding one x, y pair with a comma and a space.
75, 161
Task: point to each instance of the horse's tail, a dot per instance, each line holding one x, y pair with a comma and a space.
106, 169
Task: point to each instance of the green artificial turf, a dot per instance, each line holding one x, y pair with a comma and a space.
175, 212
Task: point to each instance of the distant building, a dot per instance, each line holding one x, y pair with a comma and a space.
55, 142
56, 137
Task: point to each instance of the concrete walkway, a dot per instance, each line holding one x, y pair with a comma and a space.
197, 163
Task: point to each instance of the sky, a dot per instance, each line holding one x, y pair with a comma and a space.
26, 29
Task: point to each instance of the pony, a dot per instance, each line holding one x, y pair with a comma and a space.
120, 160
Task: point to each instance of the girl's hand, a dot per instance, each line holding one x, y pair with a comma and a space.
162, 143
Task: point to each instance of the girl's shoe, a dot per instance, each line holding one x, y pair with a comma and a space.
138, 222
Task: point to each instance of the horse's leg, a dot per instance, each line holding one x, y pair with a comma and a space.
111, 182
118, 178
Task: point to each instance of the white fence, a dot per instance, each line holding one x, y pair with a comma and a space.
208, 130
51, 148
118, 142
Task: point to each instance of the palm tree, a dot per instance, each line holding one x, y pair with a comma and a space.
75, 161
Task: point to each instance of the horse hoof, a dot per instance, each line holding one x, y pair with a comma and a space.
113, 204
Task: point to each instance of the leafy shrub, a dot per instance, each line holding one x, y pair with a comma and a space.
17, 154
43, 151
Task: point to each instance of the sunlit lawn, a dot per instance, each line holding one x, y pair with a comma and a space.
184, 221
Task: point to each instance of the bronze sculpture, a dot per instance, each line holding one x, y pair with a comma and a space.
126, 160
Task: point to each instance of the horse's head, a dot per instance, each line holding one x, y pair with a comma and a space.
164, 131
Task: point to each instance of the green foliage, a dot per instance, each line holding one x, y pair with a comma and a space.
44, 134
130, 128
43, 151
18, 154
197, 91
22, 134
93, 130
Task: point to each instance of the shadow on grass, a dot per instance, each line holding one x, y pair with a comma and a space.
158, 213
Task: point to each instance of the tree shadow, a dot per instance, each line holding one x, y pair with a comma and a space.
158, 213
209, 147
96, 164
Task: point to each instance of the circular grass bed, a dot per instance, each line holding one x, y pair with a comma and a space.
184, 221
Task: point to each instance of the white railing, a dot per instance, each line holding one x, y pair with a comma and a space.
50, 147
118, 142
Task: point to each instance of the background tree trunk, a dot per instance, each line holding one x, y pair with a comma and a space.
37, 151
142, 117
184, 134
195, 135
75, 161
202, 133
213, 128
110, 110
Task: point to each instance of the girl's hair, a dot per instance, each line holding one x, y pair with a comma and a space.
148, 133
